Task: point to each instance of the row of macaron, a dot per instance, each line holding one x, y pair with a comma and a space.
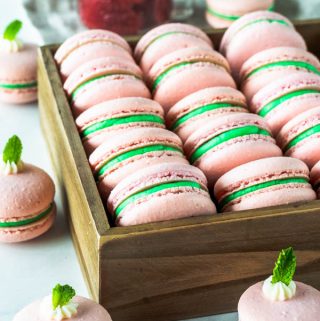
279, 297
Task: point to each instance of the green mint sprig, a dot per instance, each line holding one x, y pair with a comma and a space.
13, 150
62, 295
12, 30
285, 267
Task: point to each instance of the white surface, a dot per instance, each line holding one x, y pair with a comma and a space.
29, 271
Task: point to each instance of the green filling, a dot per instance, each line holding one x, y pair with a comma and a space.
307, 133
251, 189
119, 121
226, 136
132, 153
170, 69
153, 190
80, 87
19, 86
27, 221
228, 17
298, 64
201, 110
278, 101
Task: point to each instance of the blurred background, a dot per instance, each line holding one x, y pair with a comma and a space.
58, 19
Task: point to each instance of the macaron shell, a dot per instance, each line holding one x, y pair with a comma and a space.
87, 310
19, 68
315, 177
30, 231
163, 206
25, 194
304, 306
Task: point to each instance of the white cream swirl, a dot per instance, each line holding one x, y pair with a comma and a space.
11, 168
10, 45
278, 291
65, 312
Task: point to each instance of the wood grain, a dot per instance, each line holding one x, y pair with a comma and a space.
177, 269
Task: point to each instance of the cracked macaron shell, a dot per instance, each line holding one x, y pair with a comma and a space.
261, 171
259, 30
173, 76
24, 196
18, 75
286, 98
166, 39
223, 100
104, 79
127, 142
161, 206
300, 137
263, 68
117, 109
231, 151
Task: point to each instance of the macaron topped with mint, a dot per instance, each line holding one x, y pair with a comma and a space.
18, 67
27, 208
279, 297
63, 304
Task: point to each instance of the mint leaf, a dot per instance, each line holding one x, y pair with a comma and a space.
62, 295
13, 150
12, 30
285, 267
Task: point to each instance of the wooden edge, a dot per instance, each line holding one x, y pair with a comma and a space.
74, 142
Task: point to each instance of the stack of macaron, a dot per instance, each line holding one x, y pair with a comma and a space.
178, 60
123, 131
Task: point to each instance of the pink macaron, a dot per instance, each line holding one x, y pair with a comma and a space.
97, 124
255, 32
186, 116
27, 208
271, 64
315, 178
90, 45
186, 71
130, 151
69, 306
159, 193
222, 143
104, 79
286, 98
304, 306
222, 13
168, 38
300, 137
264, 182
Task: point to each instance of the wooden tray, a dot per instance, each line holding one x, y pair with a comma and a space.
177, 269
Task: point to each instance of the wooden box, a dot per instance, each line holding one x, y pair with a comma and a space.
178, 269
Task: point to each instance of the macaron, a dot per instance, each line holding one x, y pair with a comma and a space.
63, 304
222, 13
255, 32
98, 123
168, 38
286, 98
159, 193
130, 151
266, 66
300, 137
262, 183
18, 67
222, 143
104, 79
279, 297
27, 208
185, 117
89, 45
315, 178
186, 71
